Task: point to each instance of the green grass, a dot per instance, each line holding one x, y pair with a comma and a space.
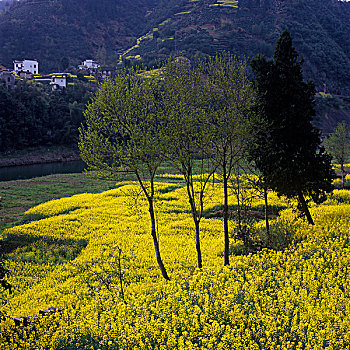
19, 195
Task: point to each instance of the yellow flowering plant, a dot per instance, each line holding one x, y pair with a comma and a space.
295, 298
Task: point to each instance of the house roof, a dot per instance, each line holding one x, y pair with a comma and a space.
21, 61
6, 73
54, 77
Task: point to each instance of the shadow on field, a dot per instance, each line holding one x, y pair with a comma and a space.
41, 250
256, 212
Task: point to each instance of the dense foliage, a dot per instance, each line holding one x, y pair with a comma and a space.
188, 113
32, 116
292, 299
51, 30
5, 5
79, 30
288, 152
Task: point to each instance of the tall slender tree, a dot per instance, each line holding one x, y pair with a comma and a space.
124, 132
189, 135
231, 98
289, 153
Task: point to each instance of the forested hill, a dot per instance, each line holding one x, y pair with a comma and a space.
320, 30
49, 30
146, 30
5, 5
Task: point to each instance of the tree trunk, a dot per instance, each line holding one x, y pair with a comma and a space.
266, 214
196, 223
305, 208
225, 218
342, 175
155, 240
198, 245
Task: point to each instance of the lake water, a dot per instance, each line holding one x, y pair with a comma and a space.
36, 170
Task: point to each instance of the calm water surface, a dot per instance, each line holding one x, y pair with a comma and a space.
35, 170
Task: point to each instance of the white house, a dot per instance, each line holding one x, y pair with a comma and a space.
31, 66
58, 81
89, 64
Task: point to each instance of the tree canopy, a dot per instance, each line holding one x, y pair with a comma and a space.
194, 116
289, 153
124, 132
36, 116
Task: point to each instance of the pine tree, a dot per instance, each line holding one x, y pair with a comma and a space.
289, 153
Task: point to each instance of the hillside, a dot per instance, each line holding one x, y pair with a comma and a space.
319, 28
51, 30
331, 110
143, 31
5, 4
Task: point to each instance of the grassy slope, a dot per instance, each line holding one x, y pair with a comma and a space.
20, 195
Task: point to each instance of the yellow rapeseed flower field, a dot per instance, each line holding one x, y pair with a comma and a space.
293, 299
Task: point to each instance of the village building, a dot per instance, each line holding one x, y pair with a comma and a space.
107, 72
9, 78
28, 66
89, 64
2, 68
58, 82
25, 75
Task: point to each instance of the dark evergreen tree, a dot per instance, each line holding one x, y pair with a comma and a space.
288, 152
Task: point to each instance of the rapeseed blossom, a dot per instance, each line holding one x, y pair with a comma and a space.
292, 299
